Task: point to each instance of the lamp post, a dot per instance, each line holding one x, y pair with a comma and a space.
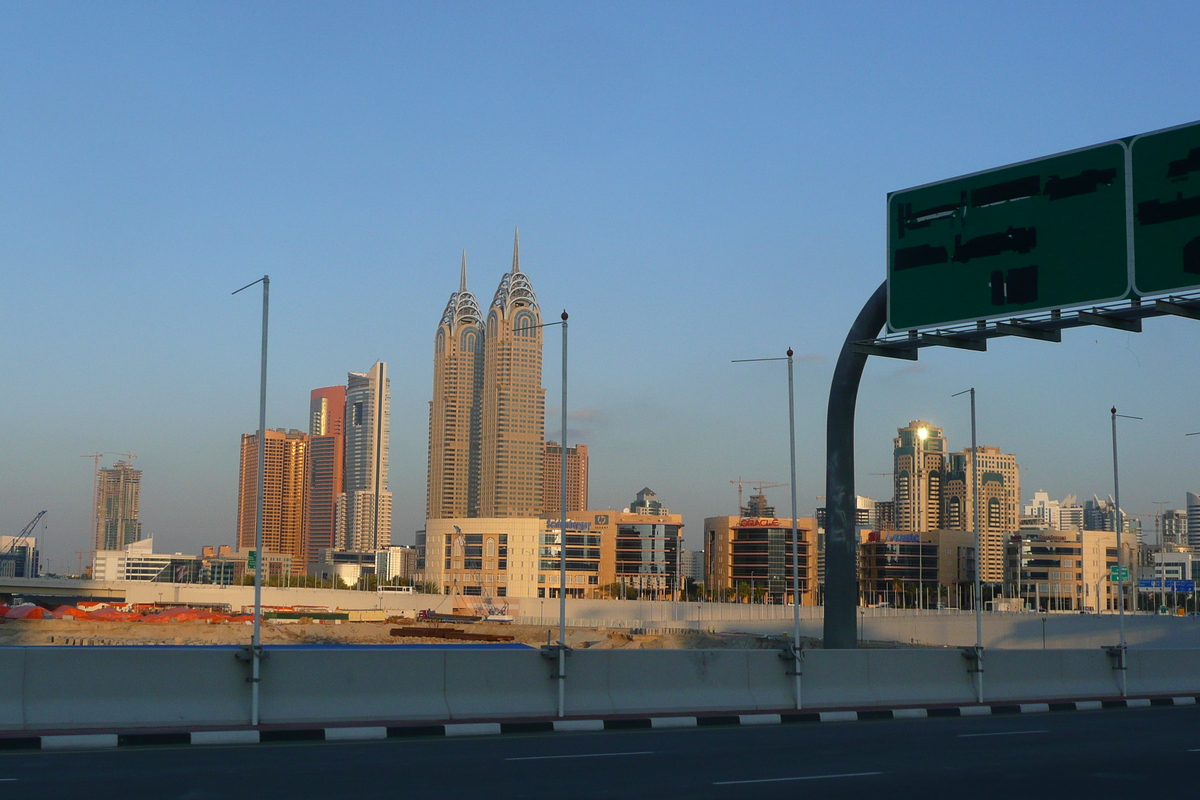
562, 532
256, 635
922, 512
1117, 524
795, 533
978, 603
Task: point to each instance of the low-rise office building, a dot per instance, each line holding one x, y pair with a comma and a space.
609, 553
753, 556
1051, 570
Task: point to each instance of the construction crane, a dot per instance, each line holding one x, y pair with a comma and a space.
8, 559
757, 486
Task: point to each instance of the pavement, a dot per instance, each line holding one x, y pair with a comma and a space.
1126, 751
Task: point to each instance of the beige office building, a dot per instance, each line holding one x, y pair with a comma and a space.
609, 553
455, 413
999, 503
1071, 570
487, 416
514, 402
283, 498
919, 459
577, 478
754, 554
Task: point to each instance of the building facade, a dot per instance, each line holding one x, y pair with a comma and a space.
455, 413
514, 402
919, 463
752, 556
487, 417
325, 500
367, 430
577, 478
286, 460
609, 553
1054, 570
118, 495
999, 502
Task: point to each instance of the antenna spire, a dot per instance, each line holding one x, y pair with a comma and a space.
462, 278
516, 267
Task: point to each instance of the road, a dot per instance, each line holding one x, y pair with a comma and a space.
1154, 751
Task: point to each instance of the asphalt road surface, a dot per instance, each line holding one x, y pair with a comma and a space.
1089, 754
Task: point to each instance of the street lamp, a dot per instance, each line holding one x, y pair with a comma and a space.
922, 514
562, 532
256, 635
1117, 523
795, 534
978, 603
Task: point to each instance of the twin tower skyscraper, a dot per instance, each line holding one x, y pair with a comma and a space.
487, 416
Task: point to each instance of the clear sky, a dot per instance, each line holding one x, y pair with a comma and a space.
695, 182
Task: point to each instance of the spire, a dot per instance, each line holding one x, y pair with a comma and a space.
516, 251
462, 279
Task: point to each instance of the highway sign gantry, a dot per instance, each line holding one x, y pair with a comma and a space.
1165, 187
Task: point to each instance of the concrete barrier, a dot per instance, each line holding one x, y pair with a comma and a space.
1048, 674
1163, 671
306, 684
12, 704
80, 687
651, 681
500, 683
70, 690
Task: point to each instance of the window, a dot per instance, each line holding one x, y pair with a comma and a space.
358, 413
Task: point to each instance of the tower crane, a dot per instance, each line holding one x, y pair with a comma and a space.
756, 485
8, 564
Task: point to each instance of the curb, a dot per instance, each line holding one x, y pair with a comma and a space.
98, 741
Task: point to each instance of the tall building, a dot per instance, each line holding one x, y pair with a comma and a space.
487, 416
118, 490
919, 457
513, 416
325, 503
286, 460
1193, 520
1042, 508
999, 503
1070, 514
1174, 531
577, 478
367, 425
752, 557
455, 413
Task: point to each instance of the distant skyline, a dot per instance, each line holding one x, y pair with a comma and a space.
694, 183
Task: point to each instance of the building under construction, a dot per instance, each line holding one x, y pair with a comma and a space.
117, 492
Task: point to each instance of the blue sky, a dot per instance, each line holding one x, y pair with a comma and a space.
694, 182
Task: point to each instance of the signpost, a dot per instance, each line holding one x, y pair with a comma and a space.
1041, 234
1166, 209
1090, 226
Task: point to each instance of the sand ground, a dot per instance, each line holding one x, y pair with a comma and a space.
84, 632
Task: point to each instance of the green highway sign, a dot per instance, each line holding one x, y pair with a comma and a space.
1123, 576
1166, 209
1038, 235
251, 560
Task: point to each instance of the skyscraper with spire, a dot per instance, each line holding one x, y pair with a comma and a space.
487, 417
456, 408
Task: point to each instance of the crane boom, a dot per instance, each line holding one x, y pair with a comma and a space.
7, 561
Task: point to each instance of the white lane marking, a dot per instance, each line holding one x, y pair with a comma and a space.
582, 755
7, 780
801, 778
998, 733
1195, 750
